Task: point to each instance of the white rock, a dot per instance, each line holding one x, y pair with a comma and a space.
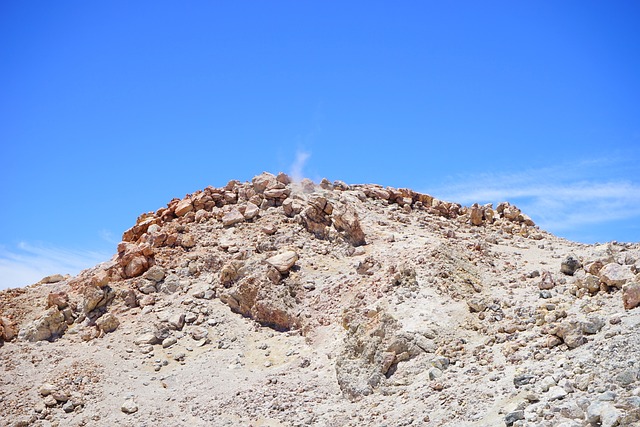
613, 274
284, 261
604, 413
557, 392
129, 407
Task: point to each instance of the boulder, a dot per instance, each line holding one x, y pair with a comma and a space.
263, 181
58, 299
96, 297
155, 274
7, 329
49, 326
346, 221
570, 265
232, 217
284, 261
631, 295
183, 207
107, 323
475, 215
54, 278
615, 275
546, 281
291, 207
251, 211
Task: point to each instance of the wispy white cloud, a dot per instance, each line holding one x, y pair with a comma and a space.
560, 197
297, 168
109, 237
27, 263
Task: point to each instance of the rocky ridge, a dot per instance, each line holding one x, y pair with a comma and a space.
291, 304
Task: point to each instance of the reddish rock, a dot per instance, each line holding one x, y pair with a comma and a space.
231, 218
183, 207
58, 299
631, 295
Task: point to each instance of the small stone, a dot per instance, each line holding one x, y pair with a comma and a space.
50, 402
545, 294
129, 407
557, 392
199, 333
168, 342
522, 379
514, 416
47, 389
68, 407
434, 373
147, 338
176, 321
546, 281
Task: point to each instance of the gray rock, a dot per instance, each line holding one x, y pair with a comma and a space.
512, 417
434, 373
522, 379
68, 407
627, 377
592, 325
570, 265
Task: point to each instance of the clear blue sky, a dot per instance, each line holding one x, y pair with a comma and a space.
110, 109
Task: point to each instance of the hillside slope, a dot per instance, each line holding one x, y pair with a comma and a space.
273, 303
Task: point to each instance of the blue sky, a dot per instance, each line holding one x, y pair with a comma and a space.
110, 109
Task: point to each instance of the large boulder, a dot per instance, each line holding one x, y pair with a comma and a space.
346, 221
615, 275
232, 217
283, 261
107, 323
183, 207
264, 181
570, 265
49, 326
7, 329
631, 295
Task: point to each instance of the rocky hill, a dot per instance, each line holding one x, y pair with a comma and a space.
273, 303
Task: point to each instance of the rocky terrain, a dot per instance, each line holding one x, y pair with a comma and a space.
274, 303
